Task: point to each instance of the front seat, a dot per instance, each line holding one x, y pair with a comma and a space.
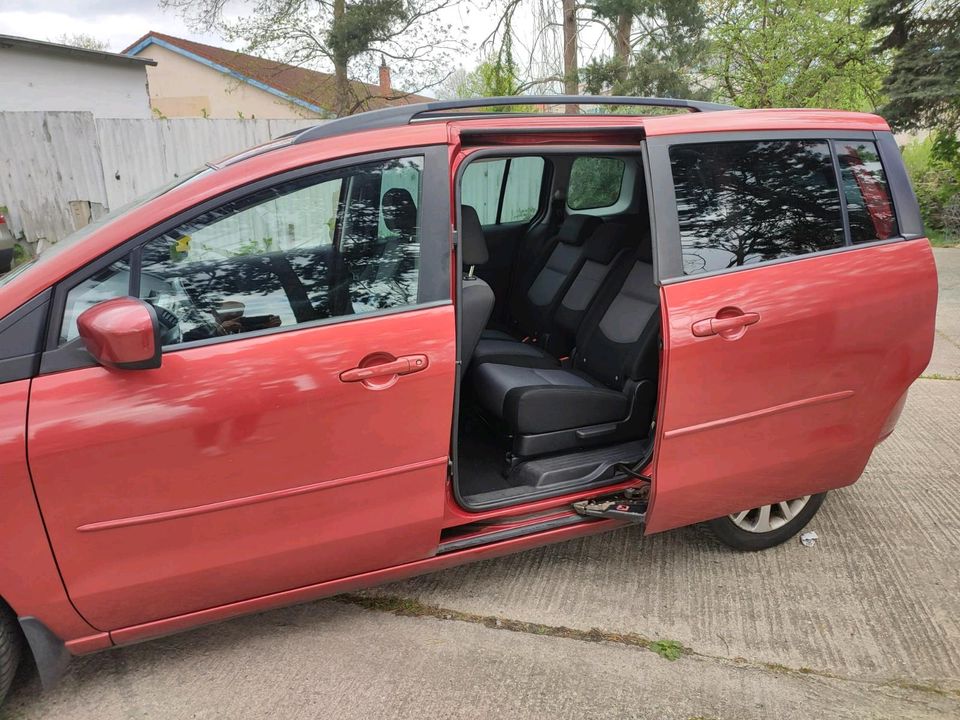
392, 257
476, 297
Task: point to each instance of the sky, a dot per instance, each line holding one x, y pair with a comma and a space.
121, 22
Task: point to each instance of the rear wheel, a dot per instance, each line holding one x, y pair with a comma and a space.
9, 649
768, 525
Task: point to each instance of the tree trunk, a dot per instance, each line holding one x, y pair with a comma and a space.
343, 99
621, 44
570, 70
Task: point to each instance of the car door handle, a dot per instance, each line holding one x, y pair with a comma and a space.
730, 326
404, 365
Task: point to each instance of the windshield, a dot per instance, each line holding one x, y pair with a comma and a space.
88, 230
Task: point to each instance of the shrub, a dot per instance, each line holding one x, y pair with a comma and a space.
937, 184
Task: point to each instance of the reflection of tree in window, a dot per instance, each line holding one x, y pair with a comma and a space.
309, 249
745, 202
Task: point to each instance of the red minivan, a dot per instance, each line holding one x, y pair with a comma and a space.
432, 334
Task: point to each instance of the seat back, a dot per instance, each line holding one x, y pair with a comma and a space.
601, 253
552, 274
476, 297
617, 340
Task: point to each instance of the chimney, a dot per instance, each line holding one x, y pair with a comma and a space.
385, 88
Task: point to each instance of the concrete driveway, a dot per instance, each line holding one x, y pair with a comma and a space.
866, 624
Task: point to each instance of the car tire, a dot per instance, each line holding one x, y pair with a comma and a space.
766, 526
10, 646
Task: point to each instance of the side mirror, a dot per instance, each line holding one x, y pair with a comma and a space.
122, 333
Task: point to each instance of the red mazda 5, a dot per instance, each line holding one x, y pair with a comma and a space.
433, 334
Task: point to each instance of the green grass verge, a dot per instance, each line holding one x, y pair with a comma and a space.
940, 238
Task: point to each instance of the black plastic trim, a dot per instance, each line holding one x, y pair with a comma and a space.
21, 338
405, 114
511, 533
434, 280
905, 204
49, 652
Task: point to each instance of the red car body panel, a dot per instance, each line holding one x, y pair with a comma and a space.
29, 580
797, 403
275, 473
282, 483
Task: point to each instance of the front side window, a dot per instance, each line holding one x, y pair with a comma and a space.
594, 182
740, 203
865, 189
338, 244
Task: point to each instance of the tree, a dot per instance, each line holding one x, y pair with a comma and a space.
82, 40
657, 46
923, 84
795, 53
340, 34
571, 77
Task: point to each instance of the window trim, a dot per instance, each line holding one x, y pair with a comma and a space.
433, 287
668, 250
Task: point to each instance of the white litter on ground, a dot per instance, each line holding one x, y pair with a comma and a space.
808, 539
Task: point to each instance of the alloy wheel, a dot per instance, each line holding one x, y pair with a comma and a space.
767, 518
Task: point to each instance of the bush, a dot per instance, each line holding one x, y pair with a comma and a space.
937, 184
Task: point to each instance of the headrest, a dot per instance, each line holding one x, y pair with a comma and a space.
606, 242
577, 228
399, 211
473, 243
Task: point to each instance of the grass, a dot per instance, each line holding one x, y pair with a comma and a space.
941, 238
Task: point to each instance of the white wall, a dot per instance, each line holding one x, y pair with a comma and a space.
36, 80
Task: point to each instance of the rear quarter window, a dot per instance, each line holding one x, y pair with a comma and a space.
595, 182
740, 203
867, 194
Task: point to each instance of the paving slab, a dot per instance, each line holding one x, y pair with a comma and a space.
328, 660
877, 597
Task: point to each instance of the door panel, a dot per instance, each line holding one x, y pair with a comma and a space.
245, 467
795, 401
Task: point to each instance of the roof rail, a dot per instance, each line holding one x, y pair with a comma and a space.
405, 114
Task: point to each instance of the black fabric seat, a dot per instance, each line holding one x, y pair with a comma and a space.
476, 297
617, 353
544, 285
557, 335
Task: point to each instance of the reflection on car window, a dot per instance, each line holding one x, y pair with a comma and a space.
865, 189
110, 282
745, 202
309, 249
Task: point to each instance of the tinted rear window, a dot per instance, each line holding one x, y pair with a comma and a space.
865, 189
740, 203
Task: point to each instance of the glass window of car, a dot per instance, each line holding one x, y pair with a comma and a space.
110, 282
740, 203
503, 190
314, 248
595, 182
869, 205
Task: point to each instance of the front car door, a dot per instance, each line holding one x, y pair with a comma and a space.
298, 428
797, 312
